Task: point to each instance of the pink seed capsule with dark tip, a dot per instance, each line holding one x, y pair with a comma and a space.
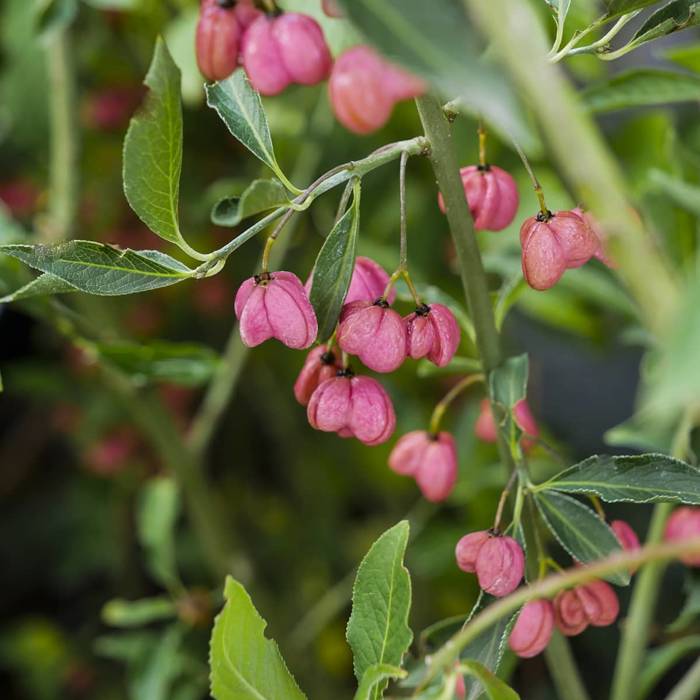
684, 524
569, 614
217, 40
543, 257
533, 629
437, 474
320, 364
432, 332
302, 47
500, 565
467, 550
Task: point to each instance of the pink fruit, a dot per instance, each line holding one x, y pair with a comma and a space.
217, 40
533, 629
594, 604
492, 196
467, 550
500, 565
684, 524
275, 305
485, 426
319, 366
432, 332
626, 536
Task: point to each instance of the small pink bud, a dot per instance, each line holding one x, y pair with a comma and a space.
626, 536
467, 550
432, 332
275, 305
368, 282
569, 614
492, 196
217, 40
353, 407
331, 8
432, 460
363, 89
375, 333
485, 426
684, 524
286, 49
319, 366
500, 565
533, 629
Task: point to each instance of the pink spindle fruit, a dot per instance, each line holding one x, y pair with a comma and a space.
287, 49
684, 524
533, 629
600, 252
217, 39
246, 13
375, 333
275, 305
364, 88
368, 282
467, 550
552, 243
594, 604
626, 536
320, 365
485, 426
432, 332
430, 459
492, 196
352, 407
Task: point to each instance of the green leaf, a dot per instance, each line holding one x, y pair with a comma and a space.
495, 688
641, 87
375, 675
152, 676
244, 664
102, 269
687, 56
579, 530
153, 150
648, 478
43, 285
240, 108
615, 8
136, 613
333, 270
157, 510
682, 193
437, 41
261, 195
186, 364
378, 630
676, 15
508, 386
659, 661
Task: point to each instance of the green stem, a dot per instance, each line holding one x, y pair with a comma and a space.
446, 168
562, 667
548, 587
63, 169
689, 686
636, 630
519, 42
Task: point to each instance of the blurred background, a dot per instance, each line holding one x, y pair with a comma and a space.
87, 502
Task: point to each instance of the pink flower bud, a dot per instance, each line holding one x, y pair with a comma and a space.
375, 333
626, 536
492, 196
363, 89
432, 460
485, 426
467, 550
432, 332
331, 8
684, 524
217, 39
533, 629
275, 305
319, 366
500, 565
353, 407
368, 282
286, 49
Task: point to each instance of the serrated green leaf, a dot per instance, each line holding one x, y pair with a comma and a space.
375, 675
186, 364
153, 150
378, 630
157, 510
43, 285
102, 269
136, 613
615, 8
647, 478
495, 688
672, 17
509, 381
259, 196
437, 41
641, 87
240, 108
579, 530
333, 270
245, 665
